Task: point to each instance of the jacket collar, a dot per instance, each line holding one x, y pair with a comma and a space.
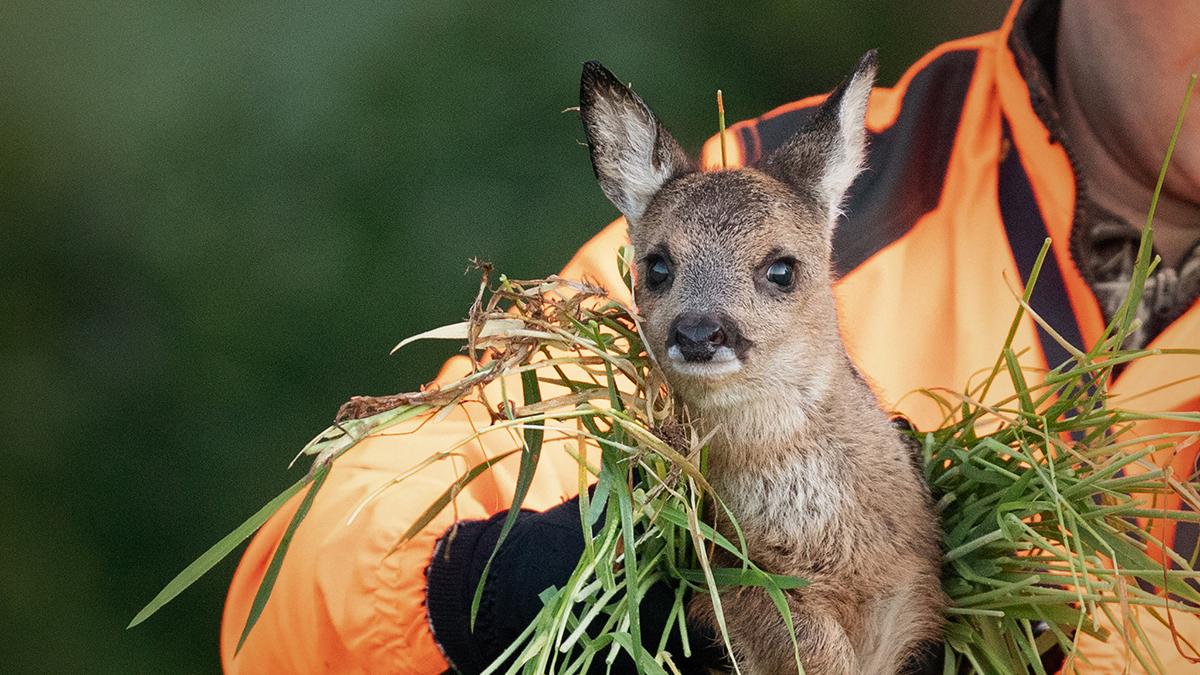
1033, 40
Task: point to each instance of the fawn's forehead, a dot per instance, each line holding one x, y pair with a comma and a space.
739, 207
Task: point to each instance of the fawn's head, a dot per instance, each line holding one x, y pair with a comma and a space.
732, 269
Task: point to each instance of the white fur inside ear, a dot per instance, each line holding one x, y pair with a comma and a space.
632, 175
846, 161
641, 177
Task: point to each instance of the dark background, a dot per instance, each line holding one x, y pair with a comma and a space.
216, 219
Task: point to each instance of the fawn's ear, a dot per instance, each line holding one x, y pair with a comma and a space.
824, 157
632, 154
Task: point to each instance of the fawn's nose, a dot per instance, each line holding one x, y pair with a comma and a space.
697, 336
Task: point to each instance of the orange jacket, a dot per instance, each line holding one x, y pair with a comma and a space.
965, 181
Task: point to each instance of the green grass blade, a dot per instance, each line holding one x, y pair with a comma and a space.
599, 501
738, 576
630, 643
443, 500
1016, 322
1145, 247
216, 553
529, 461
625, 504
785, 612
1018, 380
268, 582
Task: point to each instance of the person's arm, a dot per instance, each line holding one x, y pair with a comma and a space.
347, 598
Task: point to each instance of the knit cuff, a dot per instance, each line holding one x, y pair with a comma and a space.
450, 582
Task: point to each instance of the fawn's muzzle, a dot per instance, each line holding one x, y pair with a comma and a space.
698, 336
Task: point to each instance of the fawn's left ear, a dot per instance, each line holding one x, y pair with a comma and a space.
824, 157
632, 154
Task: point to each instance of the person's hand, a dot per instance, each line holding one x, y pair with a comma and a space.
541, 551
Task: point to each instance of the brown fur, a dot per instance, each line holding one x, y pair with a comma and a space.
822, 485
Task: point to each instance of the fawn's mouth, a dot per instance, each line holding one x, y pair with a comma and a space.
724, 361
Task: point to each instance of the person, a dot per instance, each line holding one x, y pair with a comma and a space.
1053, 125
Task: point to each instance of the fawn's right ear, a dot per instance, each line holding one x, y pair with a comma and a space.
632, 155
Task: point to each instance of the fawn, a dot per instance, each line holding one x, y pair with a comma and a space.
734, 284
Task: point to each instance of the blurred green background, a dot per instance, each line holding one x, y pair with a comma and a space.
216, 219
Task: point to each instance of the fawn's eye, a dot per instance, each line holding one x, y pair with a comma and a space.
658, 271
782, 273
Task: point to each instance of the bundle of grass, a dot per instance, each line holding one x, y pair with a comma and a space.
1040, 513
1038, 493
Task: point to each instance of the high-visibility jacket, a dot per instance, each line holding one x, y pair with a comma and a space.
967, 176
